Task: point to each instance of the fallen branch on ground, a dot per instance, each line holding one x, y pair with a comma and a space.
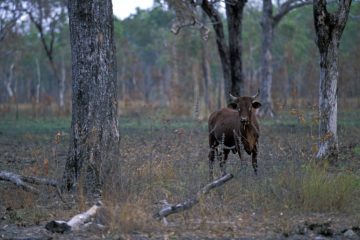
171, 209
18, 181
78, 222
21, 181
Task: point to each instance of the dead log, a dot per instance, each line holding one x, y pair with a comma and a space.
15, 178
40, 181
18, 181
169, 209
21, 181
78, 222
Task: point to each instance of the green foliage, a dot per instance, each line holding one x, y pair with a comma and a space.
147, 31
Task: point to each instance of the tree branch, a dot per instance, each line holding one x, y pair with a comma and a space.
186, 16
17, 180
21, 181
287, 7
171, 209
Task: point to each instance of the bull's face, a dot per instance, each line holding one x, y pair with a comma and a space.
245, 106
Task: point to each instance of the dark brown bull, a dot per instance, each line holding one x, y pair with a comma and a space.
228, 126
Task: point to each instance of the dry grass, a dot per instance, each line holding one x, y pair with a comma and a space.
167, 159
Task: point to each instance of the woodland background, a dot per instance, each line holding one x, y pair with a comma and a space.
163, 107
159, 68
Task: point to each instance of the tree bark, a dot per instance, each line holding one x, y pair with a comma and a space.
222, 47
266, 60
234, 13
94, 127
329, 28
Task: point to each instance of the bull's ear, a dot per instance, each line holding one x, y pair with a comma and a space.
256, 104
232, 105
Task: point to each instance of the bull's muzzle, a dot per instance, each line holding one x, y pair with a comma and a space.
244, 120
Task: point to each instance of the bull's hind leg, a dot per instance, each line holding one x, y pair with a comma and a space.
212, 153
223, 161
254, 159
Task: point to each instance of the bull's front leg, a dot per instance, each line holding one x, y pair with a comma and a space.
238, 144
223, 162
254, 159
211, 156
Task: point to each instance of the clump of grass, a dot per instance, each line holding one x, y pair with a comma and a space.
313, 188
324, 191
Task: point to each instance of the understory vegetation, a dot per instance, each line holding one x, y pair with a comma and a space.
163, 158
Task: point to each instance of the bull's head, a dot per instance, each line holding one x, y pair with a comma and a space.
245, 106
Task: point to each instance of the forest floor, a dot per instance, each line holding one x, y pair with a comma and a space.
292, 197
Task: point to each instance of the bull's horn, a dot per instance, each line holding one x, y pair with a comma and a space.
257, 94
233, 98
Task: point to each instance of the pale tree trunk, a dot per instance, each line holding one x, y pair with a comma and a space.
62, 85
206, 76
8, 82
329, 28
205, 67
94, 127
38, 84
268, 24
174, 74
197, 104
266, 61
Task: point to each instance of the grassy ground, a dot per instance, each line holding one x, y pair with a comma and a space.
166, 158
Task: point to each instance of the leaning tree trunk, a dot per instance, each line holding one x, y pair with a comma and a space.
234, 13
94, 126
222, 47
329, 28
266, 61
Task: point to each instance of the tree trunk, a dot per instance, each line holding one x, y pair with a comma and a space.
62, 85
222, 47
266, 60
8, 81
329, 28
38, 73
234, 13
94, 127
206, 77
206, 73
